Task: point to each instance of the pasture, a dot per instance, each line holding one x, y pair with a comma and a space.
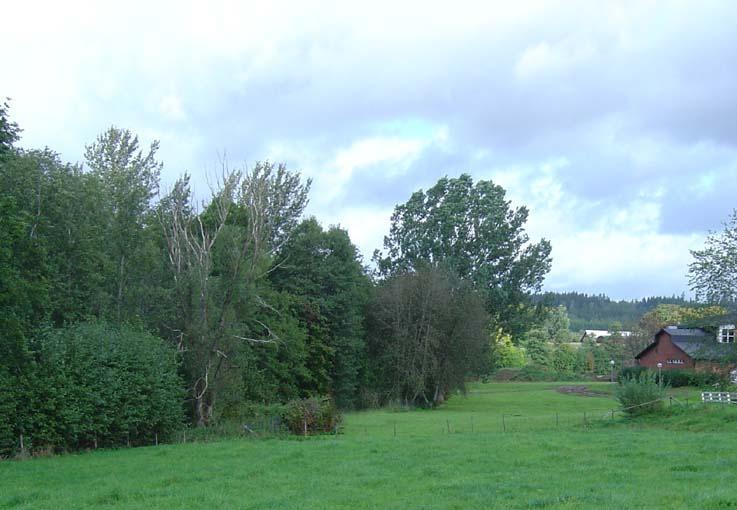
499, 447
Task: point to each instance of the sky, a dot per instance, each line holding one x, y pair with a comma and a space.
615, 123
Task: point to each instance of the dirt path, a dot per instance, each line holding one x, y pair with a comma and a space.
582, 391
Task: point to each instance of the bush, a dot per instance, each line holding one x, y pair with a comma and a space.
679, 378
632, 372
676, 378
536, 373
96, 384
641, 395
311, 415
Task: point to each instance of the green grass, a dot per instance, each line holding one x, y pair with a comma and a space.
682, 459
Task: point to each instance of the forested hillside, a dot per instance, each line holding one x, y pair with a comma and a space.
588, 311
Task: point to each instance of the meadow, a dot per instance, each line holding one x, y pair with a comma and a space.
501, 446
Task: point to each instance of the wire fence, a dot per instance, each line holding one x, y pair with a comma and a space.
512, 422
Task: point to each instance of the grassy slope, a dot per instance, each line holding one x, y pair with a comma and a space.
605, 466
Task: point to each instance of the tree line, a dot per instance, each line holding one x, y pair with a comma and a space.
598, 311
127, 309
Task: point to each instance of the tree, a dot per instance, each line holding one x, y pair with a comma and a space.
129, 180
427, 334
9, 131
472, 230
713, 272
551, 331
323, 270
217, 258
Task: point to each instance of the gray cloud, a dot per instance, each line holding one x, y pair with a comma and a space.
635, 102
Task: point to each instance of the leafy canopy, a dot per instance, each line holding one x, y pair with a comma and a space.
471, 230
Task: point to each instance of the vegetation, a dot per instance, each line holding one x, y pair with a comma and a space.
236, 296
642, 394
470, 230
534, 464
601, 312
713, 272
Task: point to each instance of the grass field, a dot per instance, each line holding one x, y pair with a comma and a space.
687, 459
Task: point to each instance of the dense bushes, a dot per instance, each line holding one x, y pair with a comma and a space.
675, 378
678, 378
632, 372
641, 394
311, 415
91, 385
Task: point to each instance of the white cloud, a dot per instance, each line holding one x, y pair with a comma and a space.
613, 121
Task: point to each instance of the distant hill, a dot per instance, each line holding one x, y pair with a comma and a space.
600, 312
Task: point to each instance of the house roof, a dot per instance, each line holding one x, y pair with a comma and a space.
695, 342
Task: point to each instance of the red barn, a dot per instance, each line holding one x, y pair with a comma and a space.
694, 348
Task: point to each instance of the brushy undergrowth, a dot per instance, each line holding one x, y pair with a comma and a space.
640, 395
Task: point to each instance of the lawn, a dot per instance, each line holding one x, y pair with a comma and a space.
685, 460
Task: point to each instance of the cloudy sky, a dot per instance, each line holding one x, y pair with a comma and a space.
615, 123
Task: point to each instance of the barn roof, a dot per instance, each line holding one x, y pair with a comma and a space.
705, 350
697, 343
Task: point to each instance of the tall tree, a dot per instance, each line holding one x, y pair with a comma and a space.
9, 130
472, 230
129, 179
217, 257
323, 270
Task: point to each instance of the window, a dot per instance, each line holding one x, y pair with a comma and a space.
674, 361
726, 334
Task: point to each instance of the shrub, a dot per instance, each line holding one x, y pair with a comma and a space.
676, 378
641, 395
311, 415
536, 373
632, 372
97, 384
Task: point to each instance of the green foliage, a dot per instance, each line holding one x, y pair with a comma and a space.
112, 384
632, 372
545, 344
675, 378
322, 270
9, 131
680, 378
503, 353
537, 373
8, 399
537, 465
641, 395
600, 312
671, 314
713, 272
313, 415
564, 359
471, 230
93, 384
427, 334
